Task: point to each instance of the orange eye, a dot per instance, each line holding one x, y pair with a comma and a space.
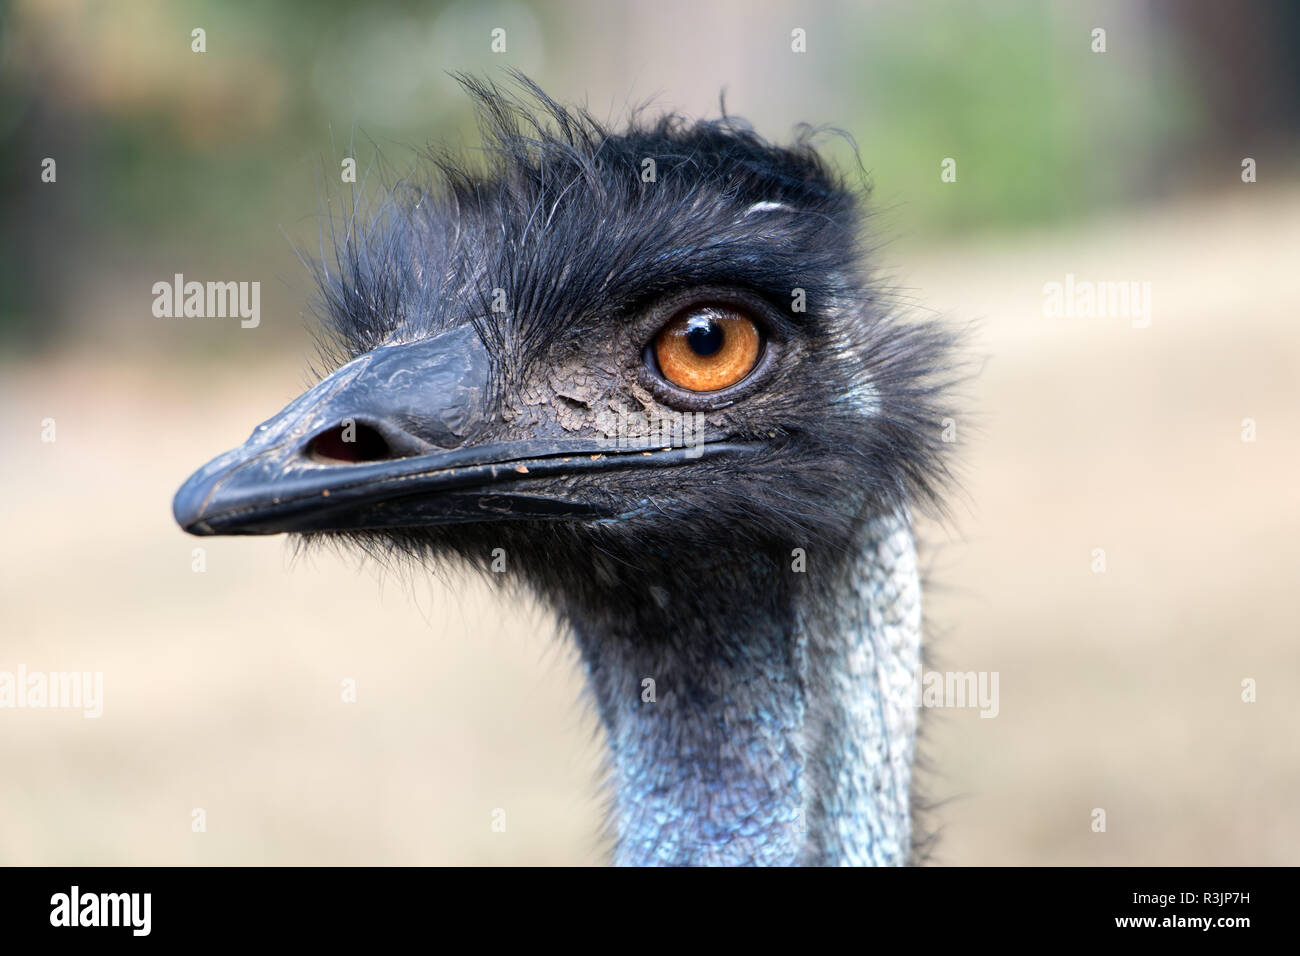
707, 349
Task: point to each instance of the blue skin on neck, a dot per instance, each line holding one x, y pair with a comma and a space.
710, 771
784, 741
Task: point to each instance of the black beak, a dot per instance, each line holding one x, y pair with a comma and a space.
387, 441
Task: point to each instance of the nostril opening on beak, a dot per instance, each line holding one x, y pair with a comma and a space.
349, 444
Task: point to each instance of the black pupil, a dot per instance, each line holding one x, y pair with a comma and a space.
704, 335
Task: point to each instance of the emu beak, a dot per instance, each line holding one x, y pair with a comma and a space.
384, 442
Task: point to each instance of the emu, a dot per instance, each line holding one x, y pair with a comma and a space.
746, 600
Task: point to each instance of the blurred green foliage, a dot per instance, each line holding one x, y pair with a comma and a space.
1027, 110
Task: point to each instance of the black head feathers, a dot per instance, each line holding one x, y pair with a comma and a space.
560, 244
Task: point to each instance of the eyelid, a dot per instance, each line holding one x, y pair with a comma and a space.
778, 337
772, 322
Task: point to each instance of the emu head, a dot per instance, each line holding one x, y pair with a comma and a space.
619, 356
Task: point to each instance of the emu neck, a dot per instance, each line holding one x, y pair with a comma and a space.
779, 731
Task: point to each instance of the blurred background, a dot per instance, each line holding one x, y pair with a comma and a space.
1119, 690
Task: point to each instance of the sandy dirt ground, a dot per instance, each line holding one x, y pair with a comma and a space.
1118, 690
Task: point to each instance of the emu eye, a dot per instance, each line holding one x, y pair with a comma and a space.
707, 349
